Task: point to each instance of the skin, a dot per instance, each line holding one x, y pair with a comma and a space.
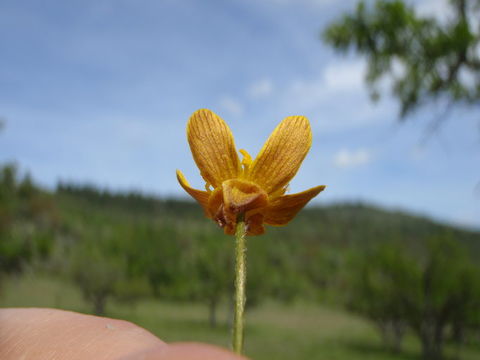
33, 333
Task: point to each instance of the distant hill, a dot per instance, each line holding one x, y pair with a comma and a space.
341, 224
166, 246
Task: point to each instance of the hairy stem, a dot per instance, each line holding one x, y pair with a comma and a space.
240, 280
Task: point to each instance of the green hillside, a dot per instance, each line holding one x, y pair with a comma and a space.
118, 251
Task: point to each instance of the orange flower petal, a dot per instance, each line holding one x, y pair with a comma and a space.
283, 209
199, 195
240, 196
215, 206
213, 147
281, 156
254, 224
234, 197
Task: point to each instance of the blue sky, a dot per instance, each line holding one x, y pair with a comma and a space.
100, 91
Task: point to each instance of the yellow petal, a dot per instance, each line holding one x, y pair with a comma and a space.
199, 195
281, 156
212, 146
283, 209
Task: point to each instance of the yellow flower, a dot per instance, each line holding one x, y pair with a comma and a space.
253, 188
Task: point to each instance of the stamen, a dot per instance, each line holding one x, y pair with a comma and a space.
246, 161
208, 187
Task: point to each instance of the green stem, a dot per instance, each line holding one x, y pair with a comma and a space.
240, 280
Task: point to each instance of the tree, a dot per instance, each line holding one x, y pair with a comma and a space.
212, 270
129, 290
377, 279
95, 268
164, 264
431, 290
276, 271
443, 294
27, 221
425, 58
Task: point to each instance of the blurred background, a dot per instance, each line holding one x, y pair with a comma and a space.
94, 100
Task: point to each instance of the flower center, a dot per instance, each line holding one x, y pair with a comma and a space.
233, 198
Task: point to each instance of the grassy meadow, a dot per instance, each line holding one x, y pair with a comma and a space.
274, 331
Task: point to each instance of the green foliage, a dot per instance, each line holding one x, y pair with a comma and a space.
377, 279
425, 58
27, 221
131, 290
430, 288
211, 271
96, 274
125, 247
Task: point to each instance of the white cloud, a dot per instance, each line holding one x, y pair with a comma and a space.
335, 99
345, 76
260, 89
231, 105
346, 158
437, 8
340, 77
